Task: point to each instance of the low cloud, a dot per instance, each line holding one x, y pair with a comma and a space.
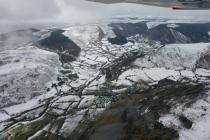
28, 9
27, 12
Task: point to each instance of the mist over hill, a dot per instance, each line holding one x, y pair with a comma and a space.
24, 13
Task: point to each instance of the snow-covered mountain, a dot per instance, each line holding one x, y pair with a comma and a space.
91, 81
25, 72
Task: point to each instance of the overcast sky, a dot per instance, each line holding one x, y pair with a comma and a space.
70, 11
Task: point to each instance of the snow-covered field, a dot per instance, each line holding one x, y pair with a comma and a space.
30, 87
198, 113
174, 61
24, 73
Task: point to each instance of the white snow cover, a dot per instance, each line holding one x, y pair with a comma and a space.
198, 113
24, 73
173, 61
92, 58
71, 123
86, 101
95, 84
170, 121
82, 35
131, 75
3, 117
172, 25
201, 126
151, 75
202, 72
175, 56
7, 112
160, 73
153, 24
38, 133
69, 98
180, 37
21, 107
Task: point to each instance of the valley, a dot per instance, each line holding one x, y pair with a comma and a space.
129, 79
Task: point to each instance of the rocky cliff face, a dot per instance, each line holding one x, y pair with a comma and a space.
125, 89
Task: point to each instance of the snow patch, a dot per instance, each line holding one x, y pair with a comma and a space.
172, 25
150, 75
70, 124
175, 56
86, 101
24, 74
22, 107
202, 72
198, 113
82, 35
151, 25
3, 116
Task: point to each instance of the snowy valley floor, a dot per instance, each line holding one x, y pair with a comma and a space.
116, 81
